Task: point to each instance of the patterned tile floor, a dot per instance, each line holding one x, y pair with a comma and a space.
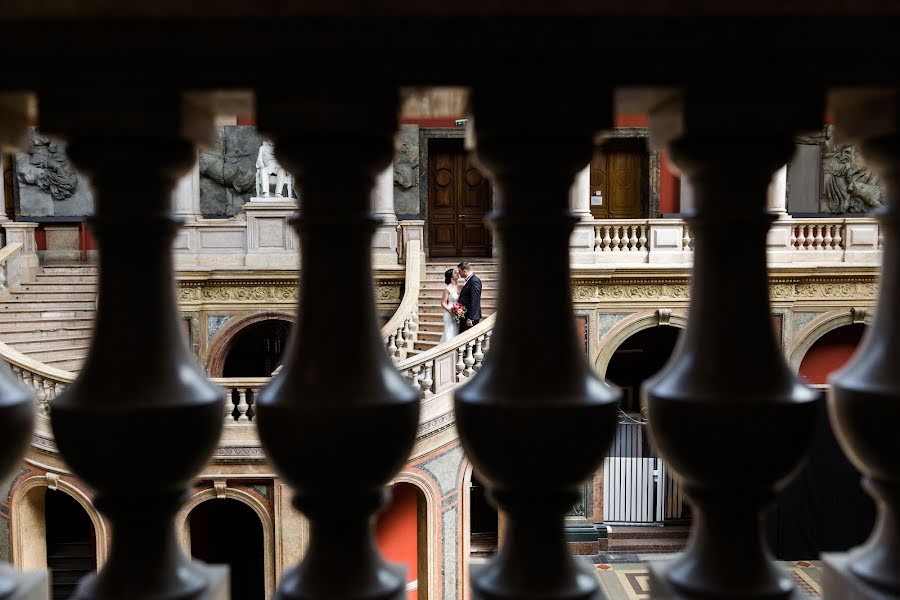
631, 580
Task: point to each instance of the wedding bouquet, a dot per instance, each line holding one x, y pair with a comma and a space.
458, 312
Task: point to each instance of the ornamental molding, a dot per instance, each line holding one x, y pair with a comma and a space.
780, 288
277, 291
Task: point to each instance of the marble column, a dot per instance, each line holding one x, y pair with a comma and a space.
383, 197
727, 414
518, 424
140, 401
777, 194
580, 194
359, 407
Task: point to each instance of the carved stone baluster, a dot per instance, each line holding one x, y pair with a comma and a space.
428, 380
819, 239
793, 237
145, 403
827, 239
543, 420
416, 377
312, 402
242, 405
229, 406
642, 239
686, 243
478, 354
607, 241
392, 345
616, 240
701, 404
864, 397
487, 340
460, 363
839, 236
469, 360
598, 237
801, 238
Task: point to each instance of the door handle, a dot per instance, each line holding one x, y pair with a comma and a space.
460, 216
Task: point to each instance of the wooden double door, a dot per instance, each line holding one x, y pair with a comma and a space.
459, 197
620, 173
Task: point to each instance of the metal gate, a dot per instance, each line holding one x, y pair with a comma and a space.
637, 486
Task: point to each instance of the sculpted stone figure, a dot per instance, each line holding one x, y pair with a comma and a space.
266, 166
848, 186
48, 168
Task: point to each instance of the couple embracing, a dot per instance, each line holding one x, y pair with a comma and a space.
461, 300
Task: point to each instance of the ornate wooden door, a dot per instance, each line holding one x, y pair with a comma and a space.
619, 172
459, 196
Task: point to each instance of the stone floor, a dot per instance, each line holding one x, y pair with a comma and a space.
630, 580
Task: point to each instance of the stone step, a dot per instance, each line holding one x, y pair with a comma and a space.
44, 331
70, 269
41, 313
42, 296
622, 532
14, 304
647, 545
57, 279
55, 352
53, 286
30, 322
71, 364
34, 343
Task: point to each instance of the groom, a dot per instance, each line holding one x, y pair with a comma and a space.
470, 297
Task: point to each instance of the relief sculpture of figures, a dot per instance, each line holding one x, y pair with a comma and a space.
848, 186
266, 166
48, 168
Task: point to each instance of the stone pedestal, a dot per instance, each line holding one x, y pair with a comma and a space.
271, 241
63, 243
660, 588
840, 583
33, 585
23, 233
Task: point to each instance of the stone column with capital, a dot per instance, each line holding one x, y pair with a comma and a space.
777, 194
384, 241
581, 244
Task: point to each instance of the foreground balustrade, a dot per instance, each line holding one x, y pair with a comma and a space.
726, 413
864, 398
535, 420
140, 400
367, 421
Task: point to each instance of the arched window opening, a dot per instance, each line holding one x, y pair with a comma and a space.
71, 543
257, 350
637, 359
484, 522
830, 352
226, 531
401, 535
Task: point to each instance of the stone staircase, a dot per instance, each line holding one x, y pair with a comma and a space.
640, 539
51, 319
431, 324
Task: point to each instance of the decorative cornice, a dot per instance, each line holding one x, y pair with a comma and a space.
263, 291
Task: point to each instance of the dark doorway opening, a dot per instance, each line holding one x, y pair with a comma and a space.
459, 197
638, 358
71, 543
484, 521
226, 531
257, 350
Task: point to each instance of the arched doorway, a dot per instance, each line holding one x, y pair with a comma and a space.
637, 487
226, 531
484, 522
400, 533
830, 352
256, 350
71, 545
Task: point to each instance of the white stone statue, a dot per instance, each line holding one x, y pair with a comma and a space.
266, 166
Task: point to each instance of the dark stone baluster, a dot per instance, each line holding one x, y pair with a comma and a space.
16, 401
339, 421
141, 420
535, 420
864, 400
726, 413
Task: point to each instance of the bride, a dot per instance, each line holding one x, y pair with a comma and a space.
448, 301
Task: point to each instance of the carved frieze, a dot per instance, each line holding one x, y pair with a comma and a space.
279, 292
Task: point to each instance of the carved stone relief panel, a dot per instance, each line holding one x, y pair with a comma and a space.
46, 184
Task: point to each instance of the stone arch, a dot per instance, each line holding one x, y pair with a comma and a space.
466, 530
244, 497
821, 325
432, 529
222, 342
28, 539
630, 326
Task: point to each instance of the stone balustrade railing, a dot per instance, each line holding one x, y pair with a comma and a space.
240, 396
400, 332
9, 266
47, 381
661, 242
450, 364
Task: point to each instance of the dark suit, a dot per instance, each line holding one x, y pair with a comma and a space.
470, 298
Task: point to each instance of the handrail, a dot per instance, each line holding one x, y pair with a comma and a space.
47, 381
8, 250
450, 363
401, 331
9, 265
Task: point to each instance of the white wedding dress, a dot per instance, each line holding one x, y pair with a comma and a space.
451, 327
